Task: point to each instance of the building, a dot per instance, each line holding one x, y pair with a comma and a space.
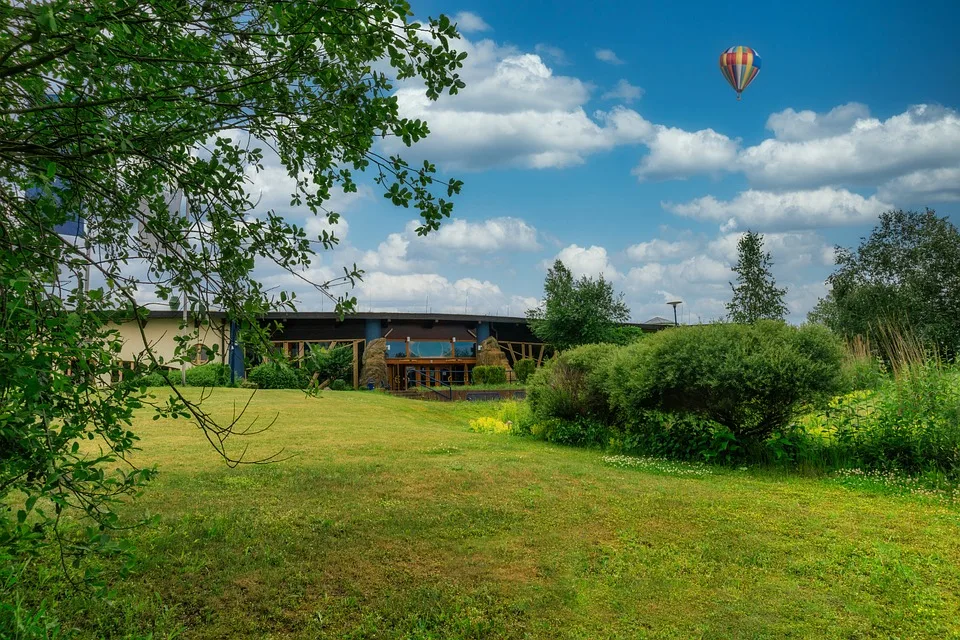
422, 348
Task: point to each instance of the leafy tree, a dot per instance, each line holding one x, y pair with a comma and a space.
755, 296
577, 311
106, 108
905, 275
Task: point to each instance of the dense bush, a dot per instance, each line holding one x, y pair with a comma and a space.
211, 374
910, 423
330, 364
524, 369
272, 375
751, 379
682, 436
573, 385
154, 379
489, 375
339, 385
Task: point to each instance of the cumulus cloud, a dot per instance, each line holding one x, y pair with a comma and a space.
438, 294
624, 91
790, 250
761, 210
468, 22
678, 154
587, 261
678, 275
515, 111
494, 234
657, 249
795, 126
608, 56
925, 137
923, 187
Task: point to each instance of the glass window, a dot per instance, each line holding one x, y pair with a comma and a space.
396, 349
201, 355
430, 350
466, 349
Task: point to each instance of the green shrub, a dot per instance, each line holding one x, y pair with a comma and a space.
582, 431
682, 436
524, 369
330, 364
518, 415
910, 423
573, 385
339, 385
751, 379
211, 374
489, 374
272, 375
155, 379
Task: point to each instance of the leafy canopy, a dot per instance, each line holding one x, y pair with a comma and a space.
755, 296
576, 311
906, 274
107, 107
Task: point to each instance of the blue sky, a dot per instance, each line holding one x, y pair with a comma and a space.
605, 135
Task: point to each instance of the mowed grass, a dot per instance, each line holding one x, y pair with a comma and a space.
393, 520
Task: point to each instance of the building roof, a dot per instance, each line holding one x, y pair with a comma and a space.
652, 324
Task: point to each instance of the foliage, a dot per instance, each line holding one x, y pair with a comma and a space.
581, 431
910, 423
339, 385
680, 436
211, 374
576, 311
490, 425
624, 335
573, 385
184, 98
155, 379
752, 379
330, 364
906, 274
489, 375
524, 369
755, 296
273, 375
518, 415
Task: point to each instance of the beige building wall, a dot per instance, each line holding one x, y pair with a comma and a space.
160, 334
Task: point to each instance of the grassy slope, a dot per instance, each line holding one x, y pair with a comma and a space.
394, 521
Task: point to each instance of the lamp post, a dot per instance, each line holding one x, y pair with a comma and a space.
675, 304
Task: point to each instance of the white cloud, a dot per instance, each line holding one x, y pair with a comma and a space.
923, 187
677, 154
468, 22
924, 137
762, 210
657, 250
795, 126
677, 276
435, 293
514, 112
556, 55
624, 91
587, 261
494, 234
608, 56
790, 251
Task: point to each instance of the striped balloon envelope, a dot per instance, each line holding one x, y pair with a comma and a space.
739, 65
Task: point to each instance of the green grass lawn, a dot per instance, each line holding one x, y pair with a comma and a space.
393, 520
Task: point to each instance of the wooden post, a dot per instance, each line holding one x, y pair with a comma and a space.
356, 366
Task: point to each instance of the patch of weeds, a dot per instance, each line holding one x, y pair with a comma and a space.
931, 487
490, 425
659, 465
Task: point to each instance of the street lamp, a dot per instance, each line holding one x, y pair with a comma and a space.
675, 304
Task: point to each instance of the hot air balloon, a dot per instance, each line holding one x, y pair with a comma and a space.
739, 65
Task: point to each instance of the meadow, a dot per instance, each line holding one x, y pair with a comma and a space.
390, 518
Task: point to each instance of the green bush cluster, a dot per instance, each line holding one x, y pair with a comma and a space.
712, 392
211, 374
275, 375
489, 374
329, 364
523, 369
339, 385
909, 423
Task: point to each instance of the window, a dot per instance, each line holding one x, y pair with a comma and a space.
201, 355
430, 350
396, 349
466, 349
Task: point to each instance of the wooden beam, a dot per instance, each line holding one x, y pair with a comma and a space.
356, 366
543, 348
